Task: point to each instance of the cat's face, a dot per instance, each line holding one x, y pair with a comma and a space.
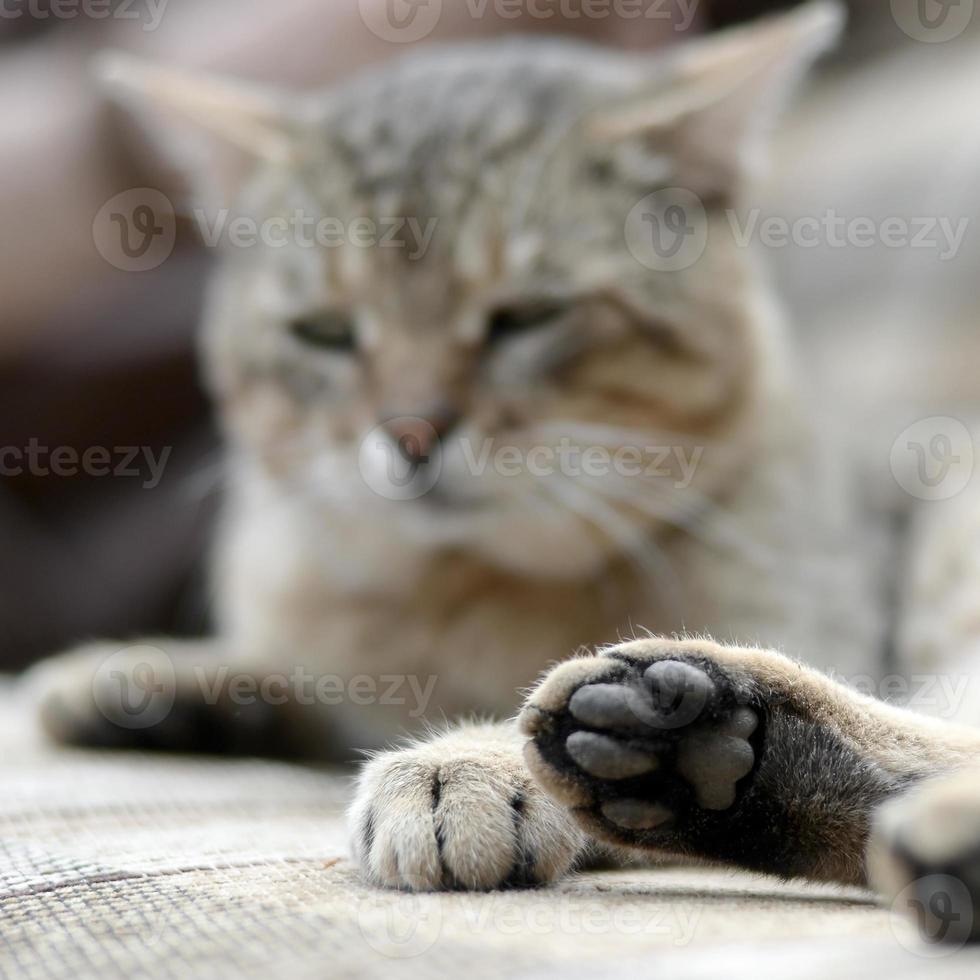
475, 354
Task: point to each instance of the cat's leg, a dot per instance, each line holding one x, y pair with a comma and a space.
459, 811
732, 754
171, 695
925, 851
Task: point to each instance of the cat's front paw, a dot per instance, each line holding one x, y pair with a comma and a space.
641, 749
459, 812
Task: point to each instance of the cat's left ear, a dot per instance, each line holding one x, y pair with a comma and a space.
209, 129
706, 109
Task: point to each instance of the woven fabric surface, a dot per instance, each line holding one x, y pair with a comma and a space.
130, 865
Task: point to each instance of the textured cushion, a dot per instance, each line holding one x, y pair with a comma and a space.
136, 866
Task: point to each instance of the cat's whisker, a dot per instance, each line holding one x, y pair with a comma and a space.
612, 436
700, 518
706, 521
634, 541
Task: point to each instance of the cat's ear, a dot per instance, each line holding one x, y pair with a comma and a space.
707, 108
207, 129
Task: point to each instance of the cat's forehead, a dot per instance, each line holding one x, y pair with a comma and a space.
447, 152
437, 118
452, 90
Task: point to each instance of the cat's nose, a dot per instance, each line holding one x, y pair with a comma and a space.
417, 435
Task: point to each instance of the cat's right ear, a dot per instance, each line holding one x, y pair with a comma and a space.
208, 131
704, 111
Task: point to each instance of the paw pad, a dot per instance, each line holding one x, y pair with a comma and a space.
638, 746
713, 764
636, 814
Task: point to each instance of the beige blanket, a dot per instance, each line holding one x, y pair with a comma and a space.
125, 865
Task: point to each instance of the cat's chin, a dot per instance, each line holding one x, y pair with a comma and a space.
552, 565
542, 551
515, 539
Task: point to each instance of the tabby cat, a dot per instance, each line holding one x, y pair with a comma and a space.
505, 428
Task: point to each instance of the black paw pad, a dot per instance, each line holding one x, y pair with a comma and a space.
608, 758
645, 746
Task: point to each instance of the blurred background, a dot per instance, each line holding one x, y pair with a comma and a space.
95, 356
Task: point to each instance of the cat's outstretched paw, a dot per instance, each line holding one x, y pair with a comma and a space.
162, 695
104, 695
925, 856
728, 753
639, 747
459, 812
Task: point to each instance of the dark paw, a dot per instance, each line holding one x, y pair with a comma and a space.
640, 749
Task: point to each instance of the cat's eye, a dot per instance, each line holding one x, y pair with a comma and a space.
329, 330
512, 321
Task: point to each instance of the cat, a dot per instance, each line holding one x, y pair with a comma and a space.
365, 543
